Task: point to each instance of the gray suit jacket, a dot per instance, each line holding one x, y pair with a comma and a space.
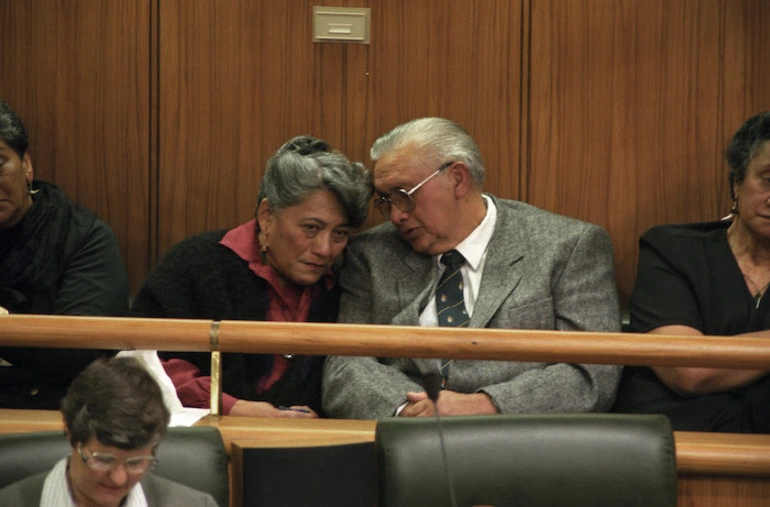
158, 491
542, 271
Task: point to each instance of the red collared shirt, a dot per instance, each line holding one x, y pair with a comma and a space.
288, 302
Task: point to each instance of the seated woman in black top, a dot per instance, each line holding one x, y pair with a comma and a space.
709, 279
56, 257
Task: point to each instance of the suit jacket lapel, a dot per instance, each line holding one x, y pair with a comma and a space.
416, 275
415, 282
503, 268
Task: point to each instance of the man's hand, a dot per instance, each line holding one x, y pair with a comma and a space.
263, 409
449, 403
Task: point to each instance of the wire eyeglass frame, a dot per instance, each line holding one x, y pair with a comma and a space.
402, 199
100, 462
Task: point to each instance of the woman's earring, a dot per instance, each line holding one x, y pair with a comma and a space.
734, 209
263, 241
32, 191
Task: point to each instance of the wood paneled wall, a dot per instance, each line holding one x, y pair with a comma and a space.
631, 105
161, 114
77, 73
238, 78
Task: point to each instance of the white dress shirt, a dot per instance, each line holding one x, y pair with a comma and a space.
474, 249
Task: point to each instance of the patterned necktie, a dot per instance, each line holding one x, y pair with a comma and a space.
450, 304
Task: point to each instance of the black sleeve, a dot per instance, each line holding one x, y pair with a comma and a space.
95, 280
663, 294
93, 283
186, 285
169, 291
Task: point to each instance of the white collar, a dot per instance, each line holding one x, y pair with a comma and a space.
475, 244
56, 491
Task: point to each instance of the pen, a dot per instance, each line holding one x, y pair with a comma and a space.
303, 410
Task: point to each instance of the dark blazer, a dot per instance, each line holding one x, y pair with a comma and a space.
542, 271
158, 491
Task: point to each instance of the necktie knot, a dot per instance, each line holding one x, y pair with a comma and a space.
453, 260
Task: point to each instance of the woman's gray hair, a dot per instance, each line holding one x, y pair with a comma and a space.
12, 130
443, 139
304, 165
118, 402
744, 146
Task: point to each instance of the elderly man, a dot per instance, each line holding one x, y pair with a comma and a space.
452, 255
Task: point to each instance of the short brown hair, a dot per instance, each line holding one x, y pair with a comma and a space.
117, 401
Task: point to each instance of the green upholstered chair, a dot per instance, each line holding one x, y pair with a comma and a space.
563, 460
194, 457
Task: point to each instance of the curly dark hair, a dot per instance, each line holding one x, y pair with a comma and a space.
744, 146
12, 130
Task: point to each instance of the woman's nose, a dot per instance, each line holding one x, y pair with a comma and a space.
118, 475
323, 244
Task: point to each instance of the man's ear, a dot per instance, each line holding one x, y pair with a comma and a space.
461, 177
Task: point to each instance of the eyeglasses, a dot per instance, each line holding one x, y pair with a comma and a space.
402, 199
99, 462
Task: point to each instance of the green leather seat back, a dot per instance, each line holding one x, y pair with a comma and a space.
194, 457
569, 460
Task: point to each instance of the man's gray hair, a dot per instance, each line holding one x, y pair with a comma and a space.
442, 139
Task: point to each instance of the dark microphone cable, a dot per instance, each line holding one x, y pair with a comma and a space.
432, 383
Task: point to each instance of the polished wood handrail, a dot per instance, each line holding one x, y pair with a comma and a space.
722, 454
392, 341
497, 344
112, 333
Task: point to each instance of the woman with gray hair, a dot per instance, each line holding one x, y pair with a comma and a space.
280, 267
115, 417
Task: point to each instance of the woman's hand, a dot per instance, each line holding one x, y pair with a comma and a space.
298, 411
248, 408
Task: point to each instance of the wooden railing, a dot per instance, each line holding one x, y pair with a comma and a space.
381, 341
384, 341
710, 465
